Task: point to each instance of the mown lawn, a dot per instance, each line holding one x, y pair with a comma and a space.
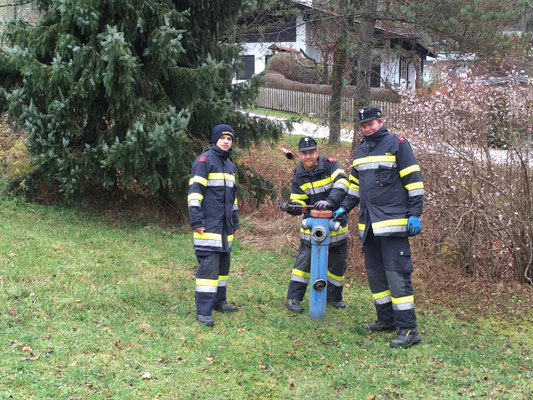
98, 309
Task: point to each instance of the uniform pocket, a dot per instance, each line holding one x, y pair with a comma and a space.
386, 175
404, 262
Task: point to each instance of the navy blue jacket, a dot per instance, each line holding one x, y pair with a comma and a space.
326, 182
212, 201
387, 183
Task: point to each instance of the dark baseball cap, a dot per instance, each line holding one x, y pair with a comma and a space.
369, 113
307, 143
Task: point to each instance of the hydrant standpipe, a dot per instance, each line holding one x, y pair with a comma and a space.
320, 224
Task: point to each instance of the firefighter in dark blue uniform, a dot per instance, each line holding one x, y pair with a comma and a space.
318, 181
386, 182
214, 217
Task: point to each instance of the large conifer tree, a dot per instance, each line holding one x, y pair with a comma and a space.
121, 92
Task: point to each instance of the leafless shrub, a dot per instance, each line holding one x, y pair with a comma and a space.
480, 197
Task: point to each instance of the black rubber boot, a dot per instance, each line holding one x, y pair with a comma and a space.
406, 338
337, 304
294, 306
206, 320
380, 326
225, 307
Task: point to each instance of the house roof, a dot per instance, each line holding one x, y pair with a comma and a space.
277, 47
406, 40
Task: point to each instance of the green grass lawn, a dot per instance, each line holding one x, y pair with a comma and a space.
98, 309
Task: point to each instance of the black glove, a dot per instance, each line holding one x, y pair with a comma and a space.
290, 209
343, 219
322, 205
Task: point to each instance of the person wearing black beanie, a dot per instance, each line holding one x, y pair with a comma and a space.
214, 218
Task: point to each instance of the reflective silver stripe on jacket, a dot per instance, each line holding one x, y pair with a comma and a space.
375, 165
390, 229
354, 193
319, 189
194, 203
416, 192
208, 242
340, 185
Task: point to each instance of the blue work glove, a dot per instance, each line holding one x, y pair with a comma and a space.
322, 205
413, 225
339, 213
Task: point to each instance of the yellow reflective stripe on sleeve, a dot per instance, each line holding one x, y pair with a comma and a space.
361, 227
337, 172
342, 181
198, 179
303, 274
416, 185
381, 294
195, 196
230, 238
373, 159
235, 201
389, 222
355, 187
409, 170
403, 300
354, 179
315, 184
299, 202
223, 277
208, 236
206, 282
296, 196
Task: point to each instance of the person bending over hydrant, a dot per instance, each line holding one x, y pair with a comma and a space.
320, 182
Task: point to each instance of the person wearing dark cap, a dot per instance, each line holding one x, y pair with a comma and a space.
320, 182
214, 217
386, 182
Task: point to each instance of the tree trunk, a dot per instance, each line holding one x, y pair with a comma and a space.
364, 62
337, 73
335, 104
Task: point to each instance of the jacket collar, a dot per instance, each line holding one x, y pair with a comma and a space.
376, 137
221, 153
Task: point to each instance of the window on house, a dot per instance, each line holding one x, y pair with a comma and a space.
375, 76
248, 63
404, 69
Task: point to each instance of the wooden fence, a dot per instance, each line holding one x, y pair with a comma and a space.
317, 105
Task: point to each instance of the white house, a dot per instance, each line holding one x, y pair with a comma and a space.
293, 33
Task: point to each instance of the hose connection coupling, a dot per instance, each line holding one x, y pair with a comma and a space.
319, 233
319, 284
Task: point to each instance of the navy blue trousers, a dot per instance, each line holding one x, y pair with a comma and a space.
389, 266
211, 280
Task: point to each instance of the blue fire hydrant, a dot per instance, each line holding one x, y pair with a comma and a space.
320, 224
